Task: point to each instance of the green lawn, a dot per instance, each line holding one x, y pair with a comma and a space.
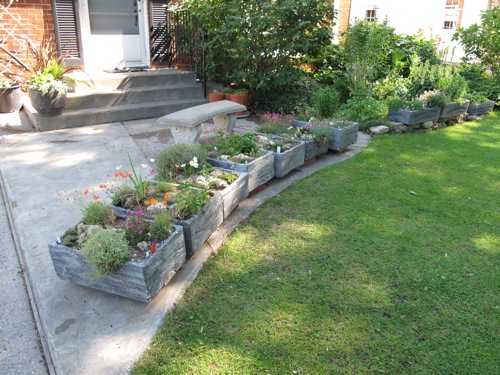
386, 263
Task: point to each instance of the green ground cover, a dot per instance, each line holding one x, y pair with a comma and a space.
386, 263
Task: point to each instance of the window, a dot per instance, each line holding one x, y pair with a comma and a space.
371, 15
451, 15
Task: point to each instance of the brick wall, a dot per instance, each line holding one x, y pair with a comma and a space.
344, 14
25, 17
494, 3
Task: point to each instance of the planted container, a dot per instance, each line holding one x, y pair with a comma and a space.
480, 108
411, 117
11, 99
49, 104
234, 194
260, 170
140, 281
311, 148
344, 137
454, 109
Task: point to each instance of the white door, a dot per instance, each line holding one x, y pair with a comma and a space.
114, 33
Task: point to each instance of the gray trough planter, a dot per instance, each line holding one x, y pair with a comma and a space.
234, 194
480, 108
312, 149
260, 170
287, 161
411, 117
344, 137
454, 109
198, 228
140, 281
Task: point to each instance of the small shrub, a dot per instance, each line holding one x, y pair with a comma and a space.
416, 105
434, 99
365, 110
161, 226
395, 103
326, 101
454, 85
97, 213
106, 250
233, 144
122, 193
168, 162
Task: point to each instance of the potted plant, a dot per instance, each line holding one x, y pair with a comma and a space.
479, 104
288, 152
239, 96
241, 153
344, 134
129, 255
411, 112
455, 86
10, 96
316, 139
216, 96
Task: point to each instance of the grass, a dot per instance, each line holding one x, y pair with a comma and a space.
386, 263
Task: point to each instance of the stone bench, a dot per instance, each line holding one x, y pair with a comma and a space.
185, 125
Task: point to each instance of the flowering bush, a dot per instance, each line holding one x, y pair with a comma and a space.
137, 228
434, 98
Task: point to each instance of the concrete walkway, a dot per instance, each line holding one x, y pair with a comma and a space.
83, 331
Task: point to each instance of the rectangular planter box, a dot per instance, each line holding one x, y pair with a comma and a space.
454, 109
481, 108
312, 149
140, 281
411, 117
260, 171
344, 137
198, 228
234, 194
287, 161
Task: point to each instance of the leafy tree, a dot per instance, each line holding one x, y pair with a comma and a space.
257, 43
482, 41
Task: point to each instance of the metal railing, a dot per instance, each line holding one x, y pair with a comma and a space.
180, 41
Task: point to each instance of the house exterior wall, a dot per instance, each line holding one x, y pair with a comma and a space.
424, 17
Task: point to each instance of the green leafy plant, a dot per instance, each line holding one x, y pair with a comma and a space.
434, 98
326, 101
161, 227
106, 250
190, 201
233, 144
454, 85
322, 135
365, 110
138, 182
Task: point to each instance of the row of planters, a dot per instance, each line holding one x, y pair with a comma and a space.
133, 246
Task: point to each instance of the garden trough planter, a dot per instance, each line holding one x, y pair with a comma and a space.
411, 117
480, 108
287, 161
311, 148
260, 170
198, 228
454, 109
344, 137
140, 281
234, 194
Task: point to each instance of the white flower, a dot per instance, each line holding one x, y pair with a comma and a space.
144, 166
183, 165
152, 160
118, 167
194, 163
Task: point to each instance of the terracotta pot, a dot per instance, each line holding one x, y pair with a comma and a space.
240, 99
216, 96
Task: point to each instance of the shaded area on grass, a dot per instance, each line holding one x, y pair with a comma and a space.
387, 262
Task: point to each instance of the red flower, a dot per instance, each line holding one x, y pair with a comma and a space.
86, 191
102, 186
153, 248
96, 197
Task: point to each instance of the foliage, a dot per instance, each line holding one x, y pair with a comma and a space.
480, 82
274, 123
393, 85
233, 144
106, 250
322, 135
454, 85
189, 202
326, 101
179, 158
424, 77
137, 181
161, 227
395, 103
398, 103
286, 98
365, 110
97, 213
415, 104
434, 98
255, 43
477, 98
136, 227
482, 42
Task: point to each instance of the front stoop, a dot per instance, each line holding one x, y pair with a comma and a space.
102, 97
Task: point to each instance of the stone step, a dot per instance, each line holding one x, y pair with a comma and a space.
96, 99
103, 81
95, 116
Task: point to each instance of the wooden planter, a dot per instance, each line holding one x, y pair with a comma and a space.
454, 109
140, 281
260, 170
11, 99
344, 137
480, 108
411, 117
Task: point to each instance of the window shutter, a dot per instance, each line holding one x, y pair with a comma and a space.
67, 30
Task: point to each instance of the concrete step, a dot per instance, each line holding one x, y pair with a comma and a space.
95, 116
99, 80
111, 98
